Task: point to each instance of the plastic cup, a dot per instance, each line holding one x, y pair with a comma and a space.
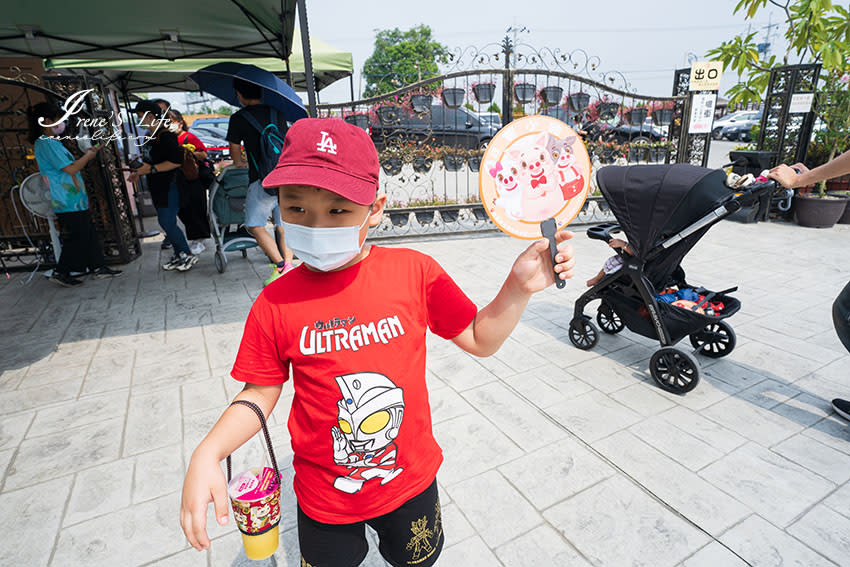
255, 499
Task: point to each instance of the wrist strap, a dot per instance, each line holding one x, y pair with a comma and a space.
262, 419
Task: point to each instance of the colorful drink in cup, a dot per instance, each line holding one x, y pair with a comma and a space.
255, 499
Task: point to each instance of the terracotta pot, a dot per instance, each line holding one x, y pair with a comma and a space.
814, 212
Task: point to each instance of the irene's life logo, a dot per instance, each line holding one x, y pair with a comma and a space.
103, 130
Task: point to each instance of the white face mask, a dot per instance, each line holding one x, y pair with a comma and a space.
324, 248
174, 127
59, 129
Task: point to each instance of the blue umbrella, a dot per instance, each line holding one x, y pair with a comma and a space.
217, 80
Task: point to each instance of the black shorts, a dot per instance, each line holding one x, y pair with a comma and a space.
410, 535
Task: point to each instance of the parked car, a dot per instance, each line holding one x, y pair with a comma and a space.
443, 126
491, 117
734, 119
739, 131
215, 122
561, 114
644, 133
217, 148
212, 131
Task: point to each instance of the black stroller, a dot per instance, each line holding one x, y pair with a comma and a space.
663, 210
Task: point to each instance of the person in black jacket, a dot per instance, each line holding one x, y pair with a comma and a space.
162, 157
790, 178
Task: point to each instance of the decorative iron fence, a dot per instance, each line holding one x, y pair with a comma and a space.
431, 134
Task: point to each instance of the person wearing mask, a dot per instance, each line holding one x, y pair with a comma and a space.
259, 205
193, 208
162, 157
803, 177
81, 248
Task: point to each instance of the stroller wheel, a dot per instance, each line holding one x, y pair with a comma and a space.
220, 264
583, 334
717, 339
674, 370
608, 319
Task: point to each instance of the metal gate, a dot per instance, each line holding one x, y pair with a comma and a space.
431, 134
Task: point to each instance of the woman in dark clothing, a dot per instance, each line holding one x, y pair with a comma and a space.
162, 157
193, 206
81, 249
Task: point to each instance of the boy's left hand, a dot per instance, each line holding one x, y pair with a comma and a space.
532, 270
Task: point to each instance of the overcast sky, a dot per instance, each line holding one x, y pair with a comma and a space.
645, 41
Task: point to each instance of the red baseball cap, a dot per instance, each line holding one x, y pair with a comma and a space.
331, 154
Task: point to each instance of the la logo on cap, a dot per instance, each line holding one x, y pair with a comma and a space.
326, 144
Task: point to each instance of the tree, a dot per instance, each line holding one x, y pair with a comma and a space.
816, 31
400, 58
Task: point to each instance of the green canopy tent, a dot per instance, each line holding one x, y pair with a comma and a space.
156, 29
158, 75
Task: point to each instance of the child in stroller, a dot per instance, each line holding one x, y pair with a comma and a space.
663, 210
613, 263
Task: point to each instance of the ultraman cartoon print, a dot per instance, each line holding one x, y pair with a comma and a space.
370, 414
570, 180
507, 186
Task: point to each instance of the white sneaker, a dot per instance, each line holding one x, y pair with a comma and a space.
197, 246
186, 262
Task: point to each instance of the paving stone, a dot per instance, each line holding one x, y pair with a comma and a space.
832, 431
100, 490
12, 429
153, 421
840, 500
526, 425
774, 487
479, 499
131, 536
826, 531
447, 404
16, 401
616, 523
643, 398
559, 352
738, 376
592, 416
455, 525
713, 555
556, 472
49, 456
676, 442
784, 365
762, 544
607, 377
460, 371
768, 393
471, 445
51, 374
185, 558
157, 472
817, 457
30, 519
693, 497
203, 395
87, 410
758, 424
471, 552
540, 546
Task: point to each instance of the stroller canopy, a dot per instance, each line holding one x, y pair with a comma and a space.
653, 202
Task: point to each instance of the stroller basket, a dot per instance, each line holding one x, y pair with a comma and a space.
678, 321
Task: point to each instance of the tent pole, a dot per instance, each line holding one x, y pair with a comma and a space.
308, 56
351, 84
142, 232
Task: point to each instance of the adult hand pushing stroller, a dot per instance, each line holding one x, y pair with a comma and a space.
663, 210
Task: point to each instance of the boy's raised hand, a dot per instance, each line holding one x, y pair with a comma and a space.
204, 483
532, 270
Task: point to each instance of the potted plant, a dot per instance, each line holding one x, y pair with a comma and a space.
484, 91
391, 159
636, 114
452, 96
420, 102
359, 120
398, 218
524, 92
603, 109
820, 209
579, 101
473, 159
637, 152
452, 158
662, 112
550, 95
658, 151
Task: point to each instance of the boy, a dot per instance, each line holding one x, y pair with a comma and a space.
259, 205
351, 322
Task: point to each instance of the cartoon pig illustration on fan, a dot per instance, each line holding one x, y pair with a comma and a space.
541, 198
570, 180
507, 185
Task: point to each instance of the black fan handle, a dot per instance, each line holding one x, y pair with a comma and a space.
548, 228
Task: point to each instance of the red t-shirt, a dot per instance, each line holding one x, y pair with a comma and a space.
360, 421
189, 138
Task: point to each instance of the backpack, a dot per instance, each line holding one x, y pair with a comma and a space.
271, 142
